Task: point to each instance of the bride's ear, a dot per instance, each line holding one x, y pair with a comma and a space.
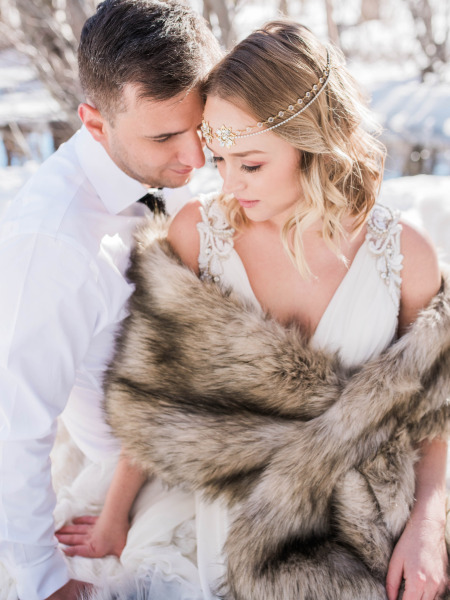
93, 121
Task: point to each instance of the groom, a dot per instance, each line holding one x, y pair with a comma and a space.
64, 246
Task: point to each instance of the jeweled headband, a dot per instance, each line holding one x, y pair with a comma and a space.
227, 137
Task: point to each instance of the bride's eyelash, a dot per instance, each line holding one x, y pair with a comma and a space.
248, 169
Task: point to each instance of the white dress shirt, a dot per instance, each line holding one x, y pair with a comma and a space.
64, 249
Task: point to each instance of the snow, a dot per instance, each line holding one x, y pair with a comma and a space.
424, 201
22, 97
417, 111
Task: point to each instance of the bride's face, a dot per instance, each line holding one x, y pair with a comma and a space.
262, 171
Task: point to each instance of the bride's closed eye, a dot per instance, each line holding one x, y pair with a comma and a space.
251, 169
246, 168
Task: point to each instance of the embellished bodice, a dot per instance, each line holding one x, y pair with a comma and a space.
361, 318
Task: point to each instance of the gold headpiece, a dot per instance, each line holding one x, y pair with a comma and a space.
226, 136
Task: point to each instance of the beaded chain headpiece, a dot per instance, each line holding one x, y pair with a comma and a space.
227, 137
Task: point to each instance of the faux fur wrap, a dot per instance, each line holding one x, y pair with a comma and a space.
315, 459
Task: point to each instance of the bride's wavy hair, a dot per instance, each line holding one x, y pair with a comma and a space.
340, 160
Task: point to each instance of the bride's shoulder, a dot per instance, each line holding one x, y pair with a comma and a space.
421, 277
195, 225
183, 234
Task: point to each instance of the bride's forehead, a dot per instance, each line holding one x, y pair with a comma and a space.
225, 122
222, 112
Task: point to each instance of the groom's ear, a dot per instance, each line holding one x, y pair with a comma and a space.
93, 121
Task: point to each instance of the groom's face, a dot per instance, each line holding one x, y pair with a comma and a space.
156, 142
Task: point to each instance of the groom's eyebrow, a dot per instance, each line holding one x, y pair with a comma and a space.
165, 134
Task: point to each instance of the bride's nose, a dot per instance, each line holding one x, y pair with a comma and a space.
232, 181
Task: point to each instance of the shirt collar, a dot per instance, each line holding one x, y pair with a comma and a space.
116, 189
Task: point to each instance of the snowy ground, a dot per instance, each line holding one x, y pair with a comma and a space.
425, 202
22, 97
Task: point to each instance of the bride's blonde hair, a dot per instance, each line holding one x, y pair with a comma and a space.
340, 162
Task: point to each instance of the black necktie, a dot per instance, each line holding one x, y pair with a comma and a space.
154, 200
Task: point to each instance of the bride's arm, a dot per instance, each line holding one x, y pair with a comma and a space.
95, 537
420, 557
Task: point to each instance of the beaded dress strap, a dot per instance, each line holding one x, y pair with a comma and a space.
383, 241
216, 238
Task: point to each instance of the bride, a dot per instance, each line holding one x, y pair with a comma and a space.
296, 233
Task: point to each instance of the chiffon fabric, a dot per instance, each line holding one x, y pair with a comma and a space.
359, 322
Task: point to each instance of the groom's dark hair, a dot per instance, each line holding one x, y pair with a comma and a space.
164, 47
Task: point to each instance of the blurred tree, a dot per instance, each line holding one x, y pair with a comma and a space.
220, 14
370, 9
283, 7
432, 24
362, 11
47, 31
333, 30
77, 12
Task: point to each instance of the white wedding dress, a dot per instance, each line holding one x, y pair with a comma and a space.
359, 322
175, 541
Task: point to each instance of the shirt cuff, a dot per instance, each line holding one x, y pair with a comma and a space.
39, 581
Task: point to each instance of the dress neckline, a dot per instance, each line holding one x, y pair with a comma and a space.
333, 298
381, 243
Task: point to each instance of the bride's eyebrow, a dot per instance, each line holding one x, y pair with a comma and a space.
244, 154
240, 154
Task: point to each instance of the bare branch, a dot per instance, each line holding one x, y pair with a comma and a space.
224, 14
333, 32
436, 52
47, 32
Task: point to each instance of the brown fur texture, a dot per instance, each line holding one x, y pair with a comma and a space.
316, 460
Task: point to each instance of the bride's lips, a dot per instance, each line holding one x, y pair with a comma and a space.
247, 203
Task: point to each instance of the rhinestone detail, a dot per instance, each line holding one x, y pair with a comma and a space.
383, 241
216, 239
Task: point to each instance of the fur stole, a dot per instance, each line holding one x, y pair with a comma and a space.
316, 460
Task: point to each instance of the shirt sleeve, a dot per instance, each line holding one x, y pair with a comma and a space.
48, 313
